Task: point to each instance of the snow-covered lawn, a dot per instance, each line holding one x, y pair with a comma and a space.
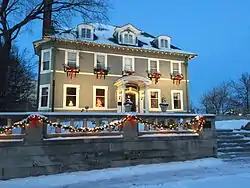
231, 124
204, 173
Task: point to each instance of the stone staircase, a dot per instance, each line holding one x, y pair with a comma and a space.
233, 143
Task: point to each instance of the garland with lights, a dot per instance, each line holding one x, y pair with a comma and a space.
101, 72
177, 78
71, 70
35, 120
155, 75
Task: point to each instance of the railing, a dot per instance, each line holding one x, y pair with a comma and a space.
87, 124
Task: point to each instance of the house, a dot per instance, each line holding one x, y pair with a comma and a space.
98, 67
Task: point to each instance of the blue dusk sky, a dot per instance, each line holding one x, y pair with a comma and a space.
217, 30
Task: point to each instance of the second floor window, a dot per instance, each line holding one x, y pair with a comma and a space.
153, 66
100, 61
72, 59
128, 64
176, 68
86, 33
46, 56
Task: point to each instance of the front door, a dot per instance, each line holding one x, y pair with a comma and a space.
132, 98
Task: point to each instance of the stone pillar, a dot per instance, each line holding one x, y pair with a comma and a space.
130, 129
146, 98
123, 95
34, 133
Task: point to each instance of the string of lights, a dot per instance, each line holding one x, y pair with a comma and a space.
195, 124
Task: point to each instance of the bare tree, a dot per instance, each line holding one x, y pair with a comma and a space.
217, 100
241, 92
15, 15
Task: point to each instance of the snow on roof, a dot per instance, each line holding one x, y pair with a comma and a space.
104, 35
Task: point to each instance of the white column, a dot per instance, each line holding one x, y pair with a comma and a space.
146, 98
123, 95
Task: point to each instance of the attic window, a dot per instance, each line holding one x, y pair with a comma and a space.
86, 33
163, 42
128, 38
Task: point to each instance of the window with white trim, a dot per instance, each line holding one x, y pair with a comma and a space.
164, 43
154, 98
100, 60
128, 64
153, 66
44, 96
100, 97
72, 58
128, 38
71, 96
177, 100
86, 33
176, 66
46, 60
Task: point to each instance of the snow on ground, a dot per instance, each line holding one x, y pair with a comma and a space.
231, 124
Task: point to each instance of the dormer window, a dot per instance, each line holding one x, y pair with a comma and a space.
86, 31
129, 38
163, 42
127, 34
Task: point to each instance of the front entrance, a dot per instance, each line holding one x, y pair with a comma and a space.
132, 98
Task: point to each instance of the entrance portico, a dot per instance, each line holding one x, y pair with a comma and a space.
136, 89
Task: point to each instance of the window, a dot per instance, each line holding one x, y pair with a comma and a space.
128, 38
154, 99
128, 64
71, 58
177, 100
175, 68
100, 97
46, 60
153, 66
44, 96
164, 43
71, 96
86, 33
100, 60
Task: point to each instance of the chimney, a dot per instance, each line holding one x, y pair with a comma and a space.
47, 18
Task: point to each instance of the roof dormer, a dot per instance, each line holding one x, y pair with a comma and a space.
163, 42
86, 31
127, 34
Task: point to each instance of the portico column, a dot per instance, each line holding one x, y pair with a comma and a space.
123, 95
146, 98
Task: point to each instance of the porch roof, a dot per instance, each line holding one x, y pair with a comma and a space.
139, 80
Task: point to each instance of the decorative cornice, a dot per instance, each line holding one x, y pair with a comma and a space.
110, 46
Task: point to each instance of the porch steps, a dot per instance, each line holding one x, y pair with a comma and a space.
233, 144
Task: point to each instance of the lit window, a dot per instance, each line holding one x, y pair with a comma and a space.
71, 59
100, 97
154, 99
164, 43
128, 64
71, 95
100, 61
176, 68
44, 96
177, 100
153, 66
46, 56
86, 33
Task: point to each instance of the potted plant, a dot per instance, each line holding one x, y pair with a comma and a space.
128, 105
164, 104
